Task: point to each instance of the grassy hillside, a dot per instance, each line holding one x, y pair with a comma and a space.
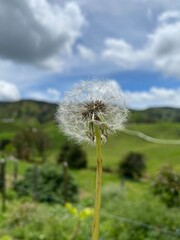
27, 110
118, 146
153, 115
157, 155
41, 112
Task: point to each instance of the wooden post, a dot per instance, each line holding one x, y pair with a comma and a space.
15, 170
3, 183
35, 182
65, 173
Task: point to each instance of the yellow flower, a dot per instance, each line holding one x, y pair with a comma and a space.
81, 215
86, 212
71, 209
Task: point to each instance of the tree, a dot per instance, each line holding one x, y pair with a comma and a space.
73, 155
132, 166
29, 143
166, 185
3, 143
41, 143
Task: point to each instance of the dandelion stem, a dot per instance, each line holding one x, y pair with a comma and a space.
95, 227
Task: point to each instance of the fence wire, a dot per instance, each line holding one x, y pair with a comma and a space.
151, 139
164, 230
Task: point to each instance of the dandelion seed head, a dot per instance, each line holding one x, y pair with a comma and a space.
92, 103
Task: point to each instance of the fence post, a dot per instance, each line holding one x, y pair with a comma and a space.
35, 182
65, 176
3, 183
15, 170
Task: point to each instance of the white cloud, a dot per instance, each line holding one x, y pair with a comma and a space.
42, 35
86, 53
169, 16
39, 33
21, 75
154, 97
8, 91
122, 53
162, 49
50, 95
165, 48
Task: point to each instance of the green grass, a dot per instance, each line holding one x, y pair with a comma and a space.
156, 154
158, 130
118, 146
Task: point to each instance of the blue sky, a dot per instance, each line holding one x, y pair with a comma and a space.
48, 45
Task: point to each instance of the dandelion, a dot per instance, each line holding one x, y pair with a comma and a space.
90, 113
90, 104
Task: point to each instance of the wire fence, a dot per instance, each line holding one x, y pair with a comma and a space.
151, 139
163, 230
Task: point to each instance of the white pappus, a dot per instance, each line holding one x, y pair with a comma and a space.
92, 103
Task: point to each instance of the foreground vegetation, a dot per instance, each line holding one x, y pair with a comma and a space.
128, 213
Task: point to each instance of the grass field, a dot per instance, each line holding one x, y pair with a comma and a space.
117, 147
126, 202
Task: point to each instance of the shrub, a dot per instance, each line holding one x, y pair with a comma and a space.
73, 155
167, 186
47, 184
132, 166
3, 143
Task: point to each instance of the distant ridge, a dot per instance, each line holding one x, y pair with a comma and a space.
42, 112
28, 110
157, 114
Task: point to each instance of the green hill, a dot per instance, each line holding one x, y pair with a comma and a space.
38, 111
27, 110
152, 115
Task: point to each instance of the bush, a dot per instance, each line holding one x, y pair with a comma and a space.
3, 143
73, 155
132, 166
47, 184
167, 186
